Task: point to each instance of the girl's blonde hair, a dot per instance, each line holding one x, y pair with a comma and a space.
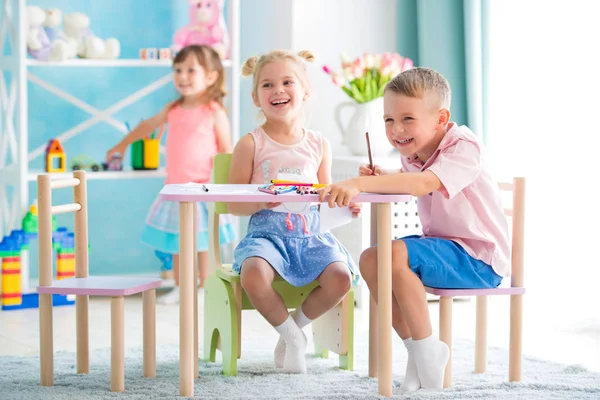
254, 65
209, 59
417, 82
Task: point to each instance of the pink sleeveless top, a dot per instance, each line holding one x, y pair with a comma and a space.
191, 144
271, 158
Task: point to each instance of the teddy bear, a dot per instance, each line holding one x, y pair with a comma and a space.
77, 27
38, 43
63, 47
206, 26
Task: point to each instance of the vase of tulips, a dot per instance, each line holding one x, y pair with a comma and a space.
364, 80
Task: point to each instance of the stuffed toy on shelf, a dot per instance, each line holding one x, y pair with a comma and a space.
63, 47
38, 43
77, 27
206, 26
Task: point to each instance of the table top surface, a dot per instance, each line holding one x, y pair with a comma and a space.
193, 192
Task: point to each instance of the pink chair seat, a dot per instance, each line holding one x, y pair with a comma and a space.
475, 292
101, 286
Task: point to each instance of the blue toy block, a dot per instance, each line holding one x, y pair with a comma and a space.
32, 300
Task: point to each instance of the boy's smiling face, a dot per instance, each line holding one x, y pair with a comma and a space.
413, 124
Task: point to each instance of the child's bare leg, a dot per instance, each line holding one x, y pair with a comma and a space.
368, 270
334, 282
431, 354
257, 278
202, 267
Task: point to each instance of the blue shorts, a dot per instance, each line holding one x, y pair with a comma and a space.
444, 264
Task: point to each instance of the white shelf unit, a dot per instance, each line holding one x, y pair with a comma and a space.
120, 62
16, 74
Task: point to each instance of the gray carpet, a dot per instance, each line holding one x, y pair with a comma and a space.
257, 379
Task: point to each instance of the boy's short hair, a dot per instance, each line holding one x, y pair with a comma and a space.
419, 81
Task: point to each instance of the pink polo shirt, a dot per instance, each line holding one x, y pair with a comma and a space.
467, 209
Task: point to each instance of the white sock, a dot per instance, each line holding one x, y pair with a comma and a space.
295, 346
431, 356
170, 298
301, 320
411, 378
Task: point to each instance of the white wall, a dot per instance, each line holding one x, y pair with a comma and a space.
264, 25
543, 124
328, 28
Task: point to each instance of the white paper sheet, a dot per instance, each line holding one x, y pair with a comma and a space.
334, 217
295, 208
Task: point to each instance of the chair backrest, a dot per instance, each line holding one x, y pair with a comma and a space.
221, 165
220, 175
45, 212
517, 213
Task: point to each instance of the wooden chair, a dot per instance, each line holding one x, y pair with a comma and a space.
84, 286
515, 291
224, 300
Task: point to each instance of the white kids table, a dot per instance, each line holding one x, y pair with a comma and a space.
188, 194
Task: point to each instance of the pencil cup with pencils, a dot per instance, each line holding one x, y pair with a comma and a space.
145, 152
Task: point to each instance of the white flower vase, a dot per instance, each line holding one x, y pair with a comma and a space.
367, 117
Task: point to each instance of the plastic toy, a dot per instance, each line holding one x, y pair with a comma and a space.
13, 275
115, 164
56, 158
86, 163
206, 26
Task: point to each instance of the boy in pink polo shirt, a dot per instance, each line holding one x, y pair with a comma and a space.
465, 234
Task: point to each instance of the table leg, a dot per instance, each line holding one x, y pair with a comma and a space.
384, 285
373, 305
186, 306
194, 219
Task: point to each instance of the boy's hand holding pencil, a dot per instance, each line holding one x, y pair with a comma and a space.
365, 170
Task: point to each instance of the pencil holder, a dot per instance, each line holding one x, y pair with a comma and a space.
145, 153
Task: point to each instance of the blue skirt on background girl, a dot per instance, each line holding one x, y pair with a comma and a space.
162, 227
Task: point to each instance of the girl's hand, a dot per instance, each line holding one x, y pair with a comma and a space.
120, 149
356, 209
340, 193
365, 170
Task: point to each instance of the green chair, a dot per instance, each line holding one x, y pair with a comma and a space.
224, 301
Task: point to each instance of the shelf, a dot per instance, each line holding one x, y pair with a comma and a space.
102, 175
119, 62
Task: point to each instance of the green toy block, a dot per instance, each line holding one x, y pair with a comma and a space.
30, 223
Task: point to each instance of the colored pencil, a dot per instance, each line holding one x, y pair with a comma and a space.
369, 150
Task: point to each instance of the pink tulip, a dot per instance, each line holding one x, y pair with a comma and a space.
345, 60
338, 80
347, 71
386, 59
369, 60
406, 63
357, 71
359, 62
377, 61
327, 70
